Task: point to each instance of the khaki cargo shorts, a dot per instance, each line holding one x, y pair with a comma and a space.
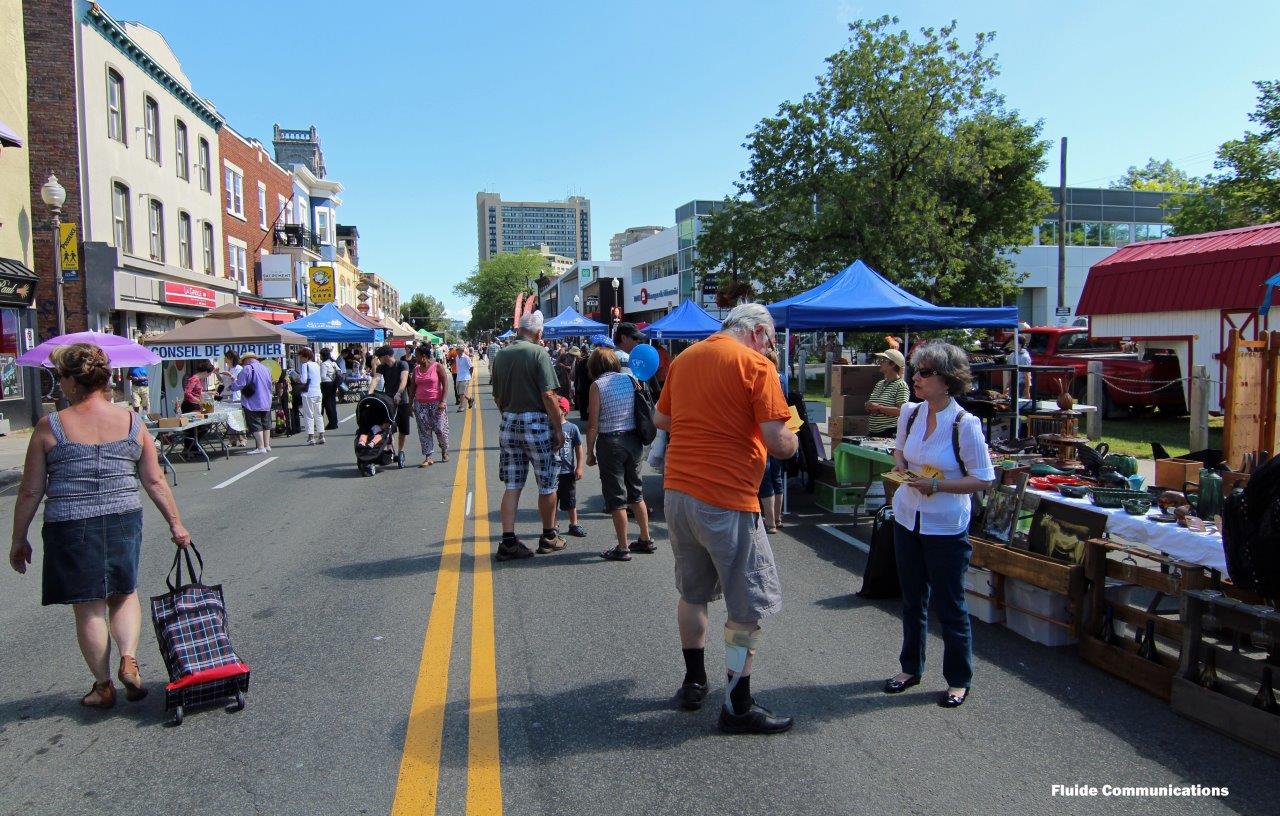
722, 553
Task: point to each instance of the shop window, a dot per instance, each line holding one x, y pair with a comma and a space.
10, 373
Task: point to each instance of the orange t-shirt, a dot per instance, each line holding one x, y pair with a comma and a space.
717, 394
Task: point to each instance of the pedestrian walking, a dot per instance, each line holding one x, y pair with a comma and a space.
462, 382
307, 376
392, 378
524, 388
329, 379
254, 386
613, 444
567, 361
725, 411
944, 444
139, 385
430, 381
86, 462
570, 460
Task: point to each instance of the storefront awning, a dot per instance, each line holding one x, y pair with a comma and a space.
17, 283
8, 138
272, 317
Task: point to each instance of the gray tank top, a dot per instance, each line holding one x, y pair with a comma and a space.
92, 480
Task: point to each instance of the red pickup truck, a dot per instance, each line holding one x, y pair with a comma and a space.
1137, 382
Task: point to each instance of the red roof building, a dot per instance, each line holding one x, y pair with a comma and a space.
1185, 293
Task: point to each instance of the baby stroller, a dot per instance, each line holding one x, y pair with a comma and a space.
375, 423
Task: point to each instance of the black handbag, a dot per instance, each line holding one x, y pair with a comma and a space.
642, 410
881, 577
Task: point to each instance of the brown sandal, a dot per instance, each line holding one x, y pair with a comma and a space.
131, 679
102, 695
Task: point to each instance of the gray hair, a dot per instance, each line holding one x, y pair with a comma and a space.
951, 363
746, 318
531, 323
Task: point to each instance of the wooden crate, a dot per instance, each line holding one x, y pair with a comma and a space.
839, 427
1174, 473
1037, 570
1122, 657
854, 379
852, 404
1227, 706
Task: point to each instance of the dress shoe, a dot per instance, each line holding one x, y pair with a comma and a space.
757, 720
895, 686
131, 678
102, 695
949, 700
691, 696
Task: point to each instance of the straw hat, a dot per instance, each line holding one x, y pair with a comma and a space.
894, 356
248, 355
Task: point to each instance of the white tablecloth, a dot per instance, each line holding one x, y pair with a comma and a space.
1204, 549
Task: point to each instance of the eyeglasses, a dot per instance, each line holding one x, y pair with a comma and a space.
925, 373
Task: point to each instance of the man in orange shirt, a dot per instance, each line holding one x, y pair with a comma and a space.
724, 408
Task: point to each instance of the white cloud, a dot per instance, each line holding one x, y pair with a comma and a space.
458, 314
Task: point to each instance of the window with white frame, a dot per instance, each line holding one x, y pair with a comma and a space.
180, 152
155, 223
115, 107
237, 257
300, 211
284, 209
206, 236
121, 223
322, 225
234, 187
184, 240
151, 128
262, 205
203, 166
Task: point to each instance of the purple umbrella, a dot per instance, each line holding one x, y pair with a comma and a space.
121, 351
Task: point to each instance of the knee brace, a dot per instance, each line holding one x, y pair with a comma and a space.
738, 646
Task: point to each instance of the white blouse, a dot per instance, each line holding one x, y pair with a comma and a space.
941, 513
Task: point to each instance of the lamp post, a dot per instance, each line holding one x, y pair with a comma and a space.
54, 195
576, 301
616, 283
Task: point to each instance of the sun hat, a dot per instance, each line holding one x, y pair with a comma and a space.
894, 356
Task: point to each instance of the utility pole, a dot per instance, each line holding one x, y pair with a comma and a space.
1062, 228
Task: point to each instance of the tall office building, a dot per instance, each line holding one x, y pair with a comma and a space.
510, 226
628, 237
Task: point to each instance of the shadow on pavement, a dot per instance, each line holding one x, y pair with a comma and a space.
387, 568
144, 713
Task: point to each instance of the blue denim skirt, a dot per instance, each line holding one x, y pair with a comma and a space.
91, 559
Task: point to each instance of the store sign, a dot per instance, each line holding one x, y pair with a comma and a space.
659, 298
321, 279
184, 294
213, 351
364, 308
277, 276
593, 303
15, 291
586, 274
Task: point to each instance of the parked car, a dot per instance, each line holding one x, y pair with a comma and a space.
1138, 383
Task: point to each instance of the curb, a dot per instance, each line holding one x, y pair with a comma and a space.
10, 476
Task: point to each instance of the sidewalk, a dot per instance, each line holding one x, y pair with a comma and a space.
13, 451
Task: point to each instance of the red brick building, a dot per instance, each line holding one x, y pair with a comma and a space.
257, 193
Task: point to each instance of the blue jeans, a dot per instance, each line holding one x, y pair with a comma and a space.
934, 565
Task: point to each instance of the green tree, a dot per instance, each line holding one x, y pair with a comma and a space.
903, 157
1158, 176
494, 285
423, 312
1245, 189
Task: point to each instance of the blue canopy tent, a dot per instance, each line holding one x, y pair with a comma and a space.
688, 321
571, 324
330, 325
507, 335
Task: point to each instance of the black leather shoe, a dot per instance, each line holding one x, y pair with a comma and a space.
892, 686
757, 720
691, 696
949, 700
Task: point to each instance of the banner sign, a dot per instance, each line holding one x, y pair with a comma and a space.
213, 351
69, 247
277, 276
321, 278
184, 294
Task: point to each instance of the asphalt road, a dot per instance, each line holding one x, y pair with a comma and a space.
376, 637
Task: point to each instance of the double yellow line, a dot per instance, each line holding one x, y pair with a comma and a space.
417, 788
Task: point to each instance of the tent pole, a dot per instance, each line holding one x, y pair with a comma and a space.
1017, 382
786, 389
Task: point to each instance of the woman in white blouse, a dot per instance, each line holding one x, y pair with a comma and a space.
943, 444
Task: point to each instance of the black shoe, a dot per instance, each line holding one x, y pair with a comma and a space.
512, 551
949, 700
892, 686
641, 545
576, 531
757, 720
691, 696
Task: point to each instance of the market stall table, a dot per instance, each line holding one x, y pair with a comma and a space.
168, 439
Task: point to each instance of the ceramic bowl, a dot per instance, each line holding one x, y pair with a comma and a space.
1073, 491
1136, 507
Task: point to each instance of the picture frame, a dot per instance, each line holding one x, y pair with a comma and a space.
1059, 531
1004, 505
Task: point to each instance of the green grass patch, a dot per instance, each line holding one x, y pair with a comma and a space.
1133, 436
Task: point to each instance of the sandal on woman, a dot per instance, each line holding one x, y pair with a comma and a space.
426, 463
102, 695
616, 554
444, 456
131, 678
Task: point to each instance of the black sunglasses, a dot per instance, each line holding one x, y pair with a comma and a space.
925, 373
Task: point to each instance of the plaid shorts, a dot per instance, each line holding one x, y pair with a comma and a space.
526, 439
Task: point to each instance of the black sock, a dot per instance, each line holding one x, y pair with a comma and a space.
695, 670
549, 532
508, 538
740, 697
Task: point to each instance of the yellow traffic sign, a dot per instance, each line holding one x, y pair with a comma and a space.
69, 247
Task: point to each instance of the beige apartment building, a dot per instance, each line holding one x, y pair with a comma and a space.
510, 226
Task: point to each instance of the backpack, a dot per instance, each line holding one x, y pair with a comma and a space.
642, 411
1251, 532
977, 505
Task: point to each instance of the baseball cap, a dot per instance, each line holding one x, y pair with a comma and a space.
894, 356
564, 404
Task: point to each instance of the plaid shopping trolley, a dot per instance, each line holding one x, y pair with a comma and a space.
191, 629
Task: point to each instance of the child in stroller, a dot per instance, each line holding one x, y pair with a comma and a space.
375, 423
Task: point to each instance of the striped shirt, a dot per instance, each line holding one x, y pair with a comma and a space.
617, 403
86, 480
893, 393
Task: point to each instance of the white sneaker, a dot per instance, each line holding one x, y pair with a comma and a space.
255, 452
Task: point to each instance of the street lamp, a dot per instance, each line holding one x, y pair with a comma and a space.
54, 195
576, 301
616, 283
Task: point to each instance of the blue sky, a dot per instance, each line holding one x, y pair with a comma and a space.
643, 106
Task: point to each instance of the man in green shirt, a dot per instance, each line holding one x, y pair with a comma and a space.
524, 387
888, 395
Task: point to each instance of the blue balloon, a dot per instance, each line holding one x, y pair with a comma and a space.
644, 361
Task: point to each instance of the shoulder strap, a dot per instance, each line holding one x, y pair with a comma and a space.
55, 425
911, 420
955, 439
135, 425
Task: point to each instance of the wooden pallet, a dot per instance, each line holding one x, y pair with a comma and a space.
1046, 573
